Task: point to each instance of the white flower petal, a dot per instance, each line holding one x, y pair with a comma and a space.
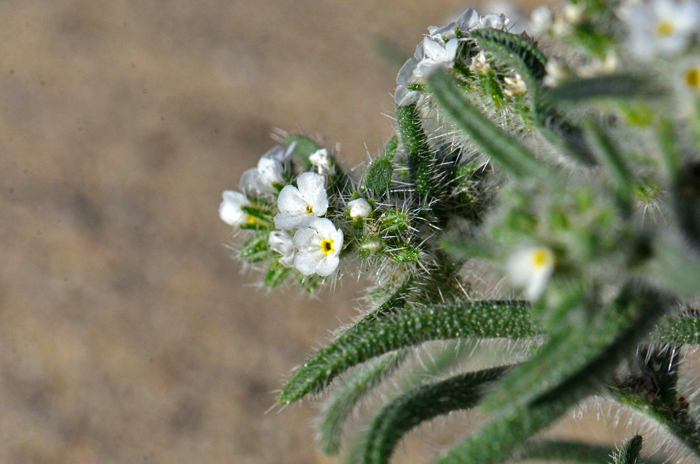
531, 268
468, 21
271, 171
291, 201
230, 209
306, 262
327, 266
286, 221
283, 244
406, 76
405, 97
313, 190
307, 239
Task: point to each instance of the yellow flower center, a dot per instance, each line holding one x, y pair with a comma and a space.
252, 221
542, 257
309, 209
692, 78
327, 246
665, 28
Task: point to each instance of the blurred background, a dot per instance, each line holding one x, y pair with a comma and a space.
127, 332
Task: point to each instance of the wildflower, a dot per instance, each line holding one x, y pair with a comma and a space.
531, 268
299, 205
319, 247
359, 208
268, 176
686, 81
514, 85
662, 26
437, 53
406, 77
470, 20
283, 244
230, 209
321, 161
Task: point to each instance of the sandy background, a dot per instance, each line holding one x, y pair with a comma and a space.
127, 334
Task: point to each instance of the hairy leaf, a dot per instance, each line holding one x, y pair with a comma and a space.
422, 404
611, 86
339, 407
619, 173
522, 47
420, 157
638, 309
491, 139
412, 326
629, 453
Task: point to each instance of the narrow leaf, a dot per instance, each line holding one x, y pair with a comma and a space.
522, 47
629, 453
611, 86
621, 178
339, 407
491, 139
498, 439
678, 331
421, 159
422, 404
412, 326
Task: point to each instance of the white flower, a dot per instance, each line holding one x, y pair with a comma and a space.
531, 268
662, 27
230, 209
437, 54
470, 20
686, 81
300, 205
321, 160
405, 97
282, 243
261, 181
359, 208
319, 248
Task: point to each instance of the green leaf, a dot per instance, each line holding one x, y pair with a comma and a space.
305, 148
621, 178
344, 399
491, 139
686, 202
412, 326
422, 404
420, 157
521, 46
379, 176
390, 148
565, 352
611, 86
276, 274
678, 331
675, 266
564, 451
256, 249
629, 453
637, 311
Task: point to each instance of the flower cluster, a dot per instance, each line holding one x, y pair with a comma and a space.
439, 48
301, 236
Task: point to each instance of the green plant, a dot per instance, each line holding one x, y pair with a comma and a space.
579, 182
